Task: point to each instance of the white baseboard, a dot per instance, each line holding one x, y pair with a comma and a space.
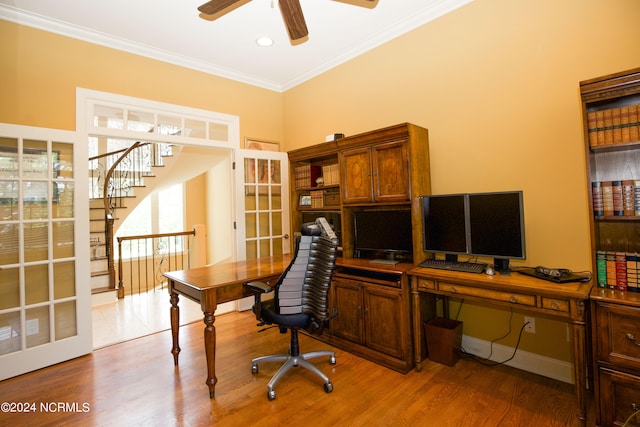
530, 362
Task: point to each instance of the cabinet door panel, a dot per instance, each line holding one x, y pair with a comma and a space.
391, 166
356, 176
347, 299
620, 397
383, 328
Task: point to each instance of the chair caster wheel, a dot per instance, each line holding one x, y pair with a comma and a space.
254, 368
332, 360
271, 394
328, 387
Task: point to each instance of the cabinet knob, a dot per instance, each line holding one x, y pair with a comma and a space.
453, 290
632, 338
555, 305
513, 299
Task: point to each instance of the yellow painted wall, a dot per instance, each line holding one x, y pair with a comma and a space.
496, 84
39, 73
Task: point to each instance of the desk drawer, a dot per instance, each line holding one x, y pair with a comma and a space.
555, 304
511, 297
426, 284
618, 329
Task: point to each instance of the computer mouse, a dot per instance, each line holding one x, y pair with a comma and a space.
489, 271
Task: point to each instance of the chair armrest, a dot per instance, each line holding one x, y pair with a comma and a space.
258, 288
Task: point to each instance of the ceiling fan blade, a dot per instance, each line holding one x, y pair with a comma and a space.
215, 6
293, 18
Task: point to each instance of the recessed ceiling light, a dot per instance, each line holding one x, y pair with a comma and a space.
264, 41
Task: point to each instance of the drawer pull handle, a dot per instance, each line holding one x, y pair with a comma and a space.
513, 299
453, 290
555, 305
632, 338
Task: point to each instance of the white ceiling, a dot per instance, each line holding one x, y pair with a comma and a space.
174, 31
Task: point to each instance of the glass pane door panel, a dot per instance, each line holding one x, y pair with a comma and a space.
63, 239
9, 200
63, 200
140, 121
62, 155
65, 320
37, 326
251, 223
264, 224
10, 289
9, 244
36, 283
10, 332
251, 249
64, 280
36, 241
8, 158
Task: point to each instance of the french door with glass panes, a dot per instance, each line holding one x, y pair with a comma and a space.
45, 307
263, 203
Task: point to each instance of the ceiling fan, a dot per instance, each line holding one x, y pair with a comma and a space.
290, 9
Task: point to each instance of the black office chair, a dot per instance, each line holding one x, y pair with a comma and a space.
300, 301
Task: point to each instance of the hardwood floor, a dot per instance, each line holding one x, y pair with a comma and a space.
135, 383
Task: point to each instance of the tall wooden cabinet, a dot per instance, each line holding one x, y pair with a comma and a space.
383, 169
611, 110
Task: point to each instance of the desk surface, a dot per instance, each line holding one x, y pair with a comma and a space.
224, 274
511, 282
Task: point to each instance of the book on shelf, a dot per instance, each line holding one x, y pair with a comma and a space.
634, 126
611, 269
592, 128
601, 269
628, 198
608, 127
616, 190
621, 271
616, 125
624, 124
607, 198
596, 197
636, 196
632, 272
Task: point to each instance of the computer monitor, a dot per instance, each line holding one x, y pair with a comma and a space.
444, 224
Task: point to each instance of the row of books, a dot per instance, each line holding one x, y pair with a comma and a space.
331, 174
616, 198
614, 125
306, 176
617, 270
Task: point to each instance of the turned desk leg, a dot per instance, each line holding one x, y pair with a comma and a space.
175, 326
210, 351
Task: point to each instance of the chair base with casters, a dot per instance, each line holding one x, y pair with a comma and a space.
294, 359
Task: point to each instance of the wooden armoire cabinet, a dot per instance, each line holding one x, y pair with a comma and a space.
384, 169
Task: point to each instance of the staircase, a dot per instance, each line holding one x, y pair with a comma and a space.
118, 182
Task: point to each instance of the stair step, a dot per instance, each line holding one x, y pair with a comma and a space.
99, 273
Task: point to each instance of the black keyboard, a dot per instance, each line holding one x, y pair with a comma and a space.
441, 264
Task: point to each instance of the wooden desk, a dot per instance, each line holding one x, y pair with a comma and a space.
566, 302
214, 285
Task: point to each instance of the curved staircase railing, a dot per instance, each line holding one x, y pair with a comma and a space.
113, 177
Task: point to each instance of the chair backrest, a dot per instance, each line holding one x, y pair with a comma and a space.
304, 287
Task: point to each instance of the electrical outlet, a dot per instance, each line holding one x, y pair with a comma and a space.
530, 324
